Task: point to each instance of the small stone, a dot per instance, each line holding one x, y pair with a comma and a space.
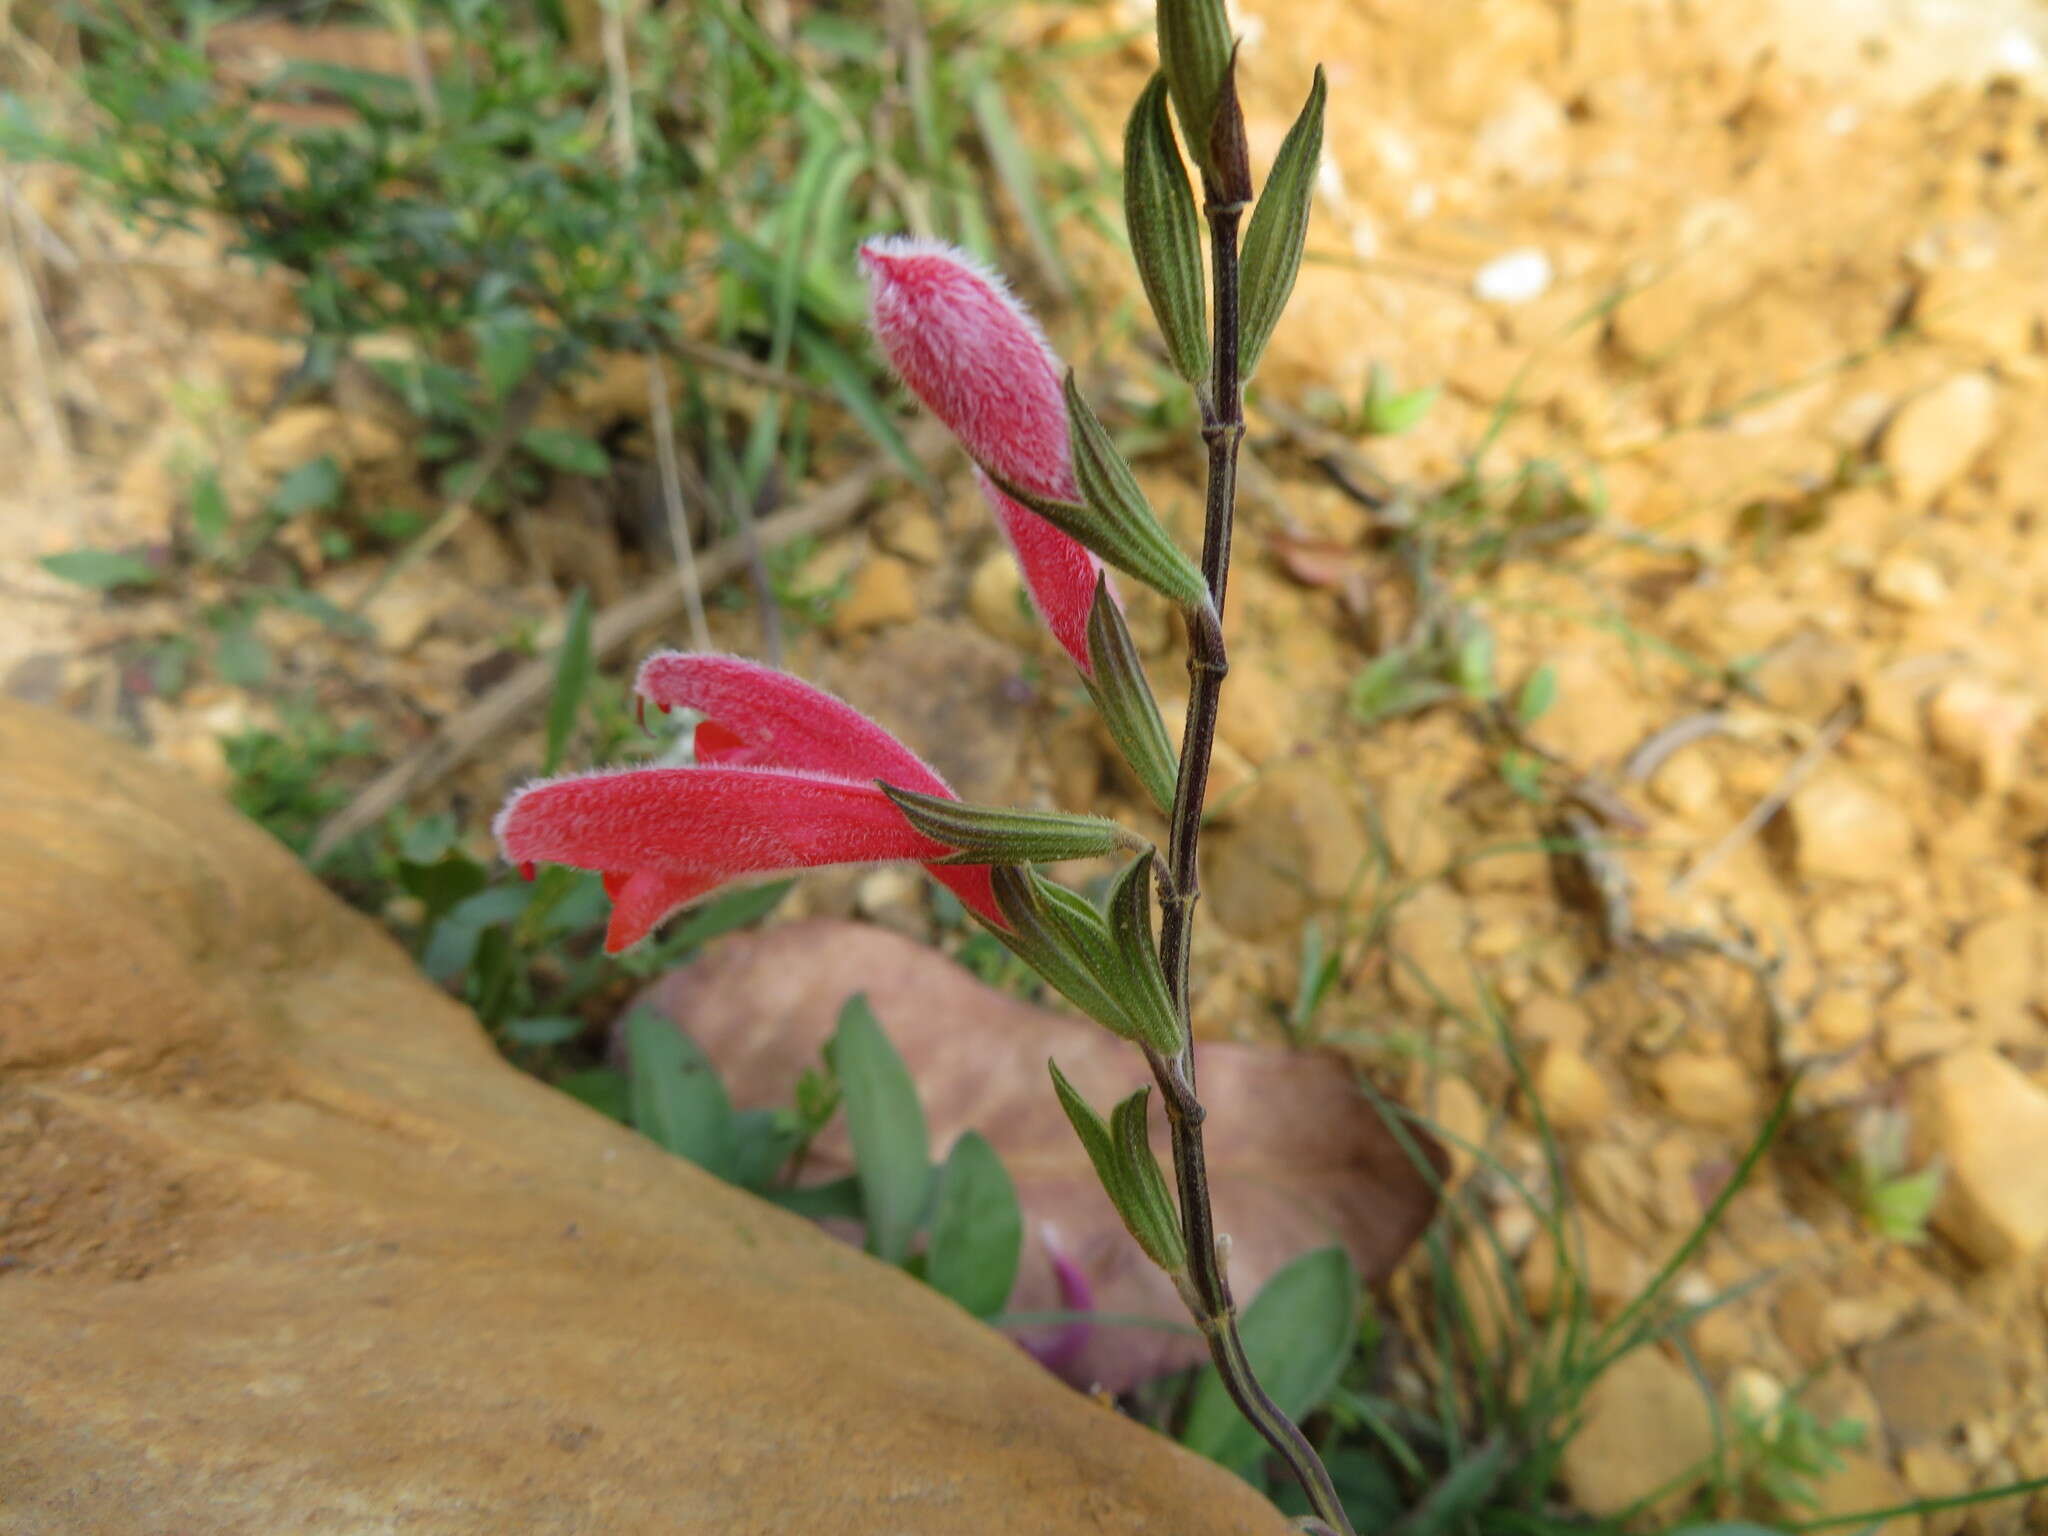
1573, 1093
1646, 1427
1554, 1022
1989, 1124
253, 365
1861, 1482
1841, 829
995, 598
1937, 435
296, 435
1295, 841
884, 592
1519, 277
1707, 1089
1982, 728
1686, 785
1755, 1393
2004, 965
1842, 1019
886, 892
912, 533
1426, 940
1994, 312
1906, 581
1253, 718
1932, 1380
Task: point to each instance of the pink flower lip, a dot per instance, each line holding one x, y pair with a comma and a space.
786, 778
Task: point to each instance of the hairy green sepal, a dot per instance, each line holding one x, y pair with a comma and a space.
1279, 229
1130, 1174
1159, 210
1123, 697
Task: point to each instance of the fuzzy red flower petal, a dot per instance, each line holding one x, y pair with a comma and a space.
786, 780
976, 358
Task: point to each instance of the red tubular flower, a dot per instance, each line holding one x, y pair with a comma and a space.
979, 362
785, 779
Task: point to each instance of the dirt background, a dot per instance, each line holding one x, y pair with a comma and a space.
1763, 285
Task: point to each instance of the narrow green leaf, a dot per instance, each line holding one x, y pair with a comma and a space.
1159, 211
891, 1150
1047, 945
1146, 1207
1092, 1129
1194, 55
977, 1233
839, 1200
763, 1141
505, 353
209, 509
1123, 697
314, 486
572, 679
101, 569
674, 1096
543, 1029
239, 653
724, 914
600, 1087
986, 834
1538, 693
560, 448
1297, 1334
1279, 229
1138, 982
850, 383
1012, 162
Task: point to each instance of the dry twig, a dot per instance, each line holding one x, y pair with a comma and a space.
1829, 736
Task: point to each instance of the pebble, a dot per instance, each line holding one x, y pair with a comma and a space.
884, 592
1707, 1089
913, 533
1989, 1124
996, 600
1519, 277
1574, 1094
1909, 582
1937, 435
1842, 829
294, 436
2003, 961
1646, 1427
1983, 728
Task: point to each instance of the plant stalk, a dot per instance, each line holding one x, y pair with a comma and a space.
1208, 1280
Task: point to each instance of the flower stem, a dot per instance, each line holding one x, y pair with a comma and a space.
1208, 1281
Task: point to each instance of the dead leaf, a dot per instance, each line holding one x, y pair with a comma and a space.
1297, 1157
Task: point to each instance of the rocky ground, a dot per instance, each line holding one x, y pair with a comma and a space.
1747, 311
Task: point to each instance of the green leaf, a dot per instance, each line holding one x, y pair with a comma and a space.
543, 1029
239, 653
1137, 982
101, 569
1297, 1334
987, 834
1279, 229
572, 678
1899, 1208
675, 1097
891, 1151
314, 486
725, 914
209, 509
1159, 211
1475, 664
1539, 692
1194, 55
1146, 1206
1123, 697
1090, 1127
763, 1142
1729, 1528
505, 353
977, 1232
1387, 412
562, 449
600, 1087
839, 1200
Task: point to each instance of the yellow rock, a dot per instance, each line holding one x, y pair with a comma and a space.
289, 1239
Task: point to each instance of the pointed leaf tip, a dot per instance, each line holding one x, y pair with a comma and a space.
1279, 229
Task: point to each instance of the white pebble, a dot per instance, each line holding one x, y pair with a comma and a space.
1515, 278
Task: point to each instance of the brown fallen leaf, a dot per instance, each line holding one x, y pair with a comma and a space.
1297, 1157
